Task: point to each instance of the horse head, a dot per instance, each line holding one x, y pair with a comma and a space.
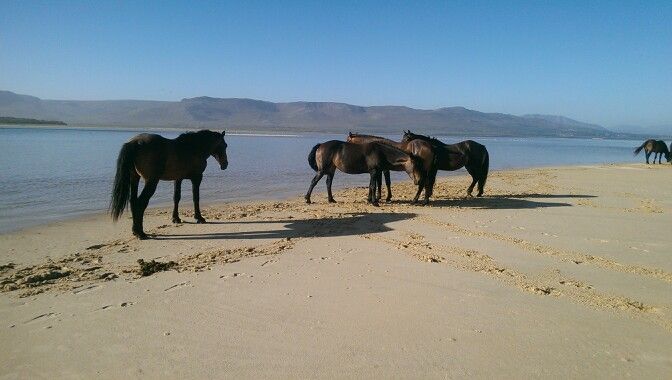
408, 136
219, 150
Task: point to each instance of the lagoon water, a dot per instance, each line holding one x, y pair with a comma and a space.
55, 174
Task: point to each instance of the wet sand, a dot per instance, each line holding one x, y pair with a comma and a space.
557, 272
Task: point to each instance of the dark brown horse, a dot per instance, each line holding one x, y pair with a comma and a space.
468, 154
155, 158
417, 148
350, 158
655, 146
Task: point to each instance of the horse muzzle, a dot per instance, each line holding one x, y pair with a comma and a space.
224, 165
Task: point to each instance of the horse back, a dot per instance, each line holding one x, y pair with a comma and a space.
463, 153
160, 158
348, 157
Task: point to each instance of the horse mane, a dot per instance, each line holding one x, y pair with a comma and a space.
363, 135
432, 140
378, 139
198, 142
197, 138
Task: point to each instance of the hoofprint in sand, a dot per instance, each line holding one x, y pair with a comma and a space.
557, 272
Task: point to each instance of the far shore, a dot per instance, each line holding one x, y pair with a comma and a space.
76, 127
283, 133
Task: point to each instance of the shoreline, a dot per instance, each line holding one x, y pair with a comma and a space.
185, 204
569, 262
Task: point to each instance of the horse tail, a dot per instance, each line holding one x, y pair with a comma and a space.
636, 152
122, 180
311, 157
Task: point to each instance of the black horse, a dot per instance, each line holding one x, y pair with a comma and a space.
655, 146
469, 154
155, 158
351, 158
419, 148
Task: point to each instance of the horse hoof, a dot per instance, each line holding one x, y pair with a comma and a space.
177, 220
479, 195
332, 201
141, 235
388, 200
375, 204
200, 221
308, 201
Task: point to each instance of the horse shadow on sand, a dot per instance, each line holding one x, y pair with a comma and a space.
507, 201
346, 224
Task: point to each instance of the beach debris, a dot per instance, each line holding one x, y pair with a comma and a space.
34, 276
151, 267
7, 266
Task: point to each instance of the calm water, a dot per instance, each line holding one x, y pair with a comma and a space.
48, 175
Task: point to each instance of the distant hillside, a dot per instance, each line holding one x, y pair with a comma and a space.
21, 120
257, 115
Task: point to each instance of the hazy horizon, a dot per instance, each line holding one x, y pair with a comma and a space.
605, 63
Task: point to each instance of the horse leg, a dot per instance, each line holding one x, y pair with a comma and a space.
387, 184
196, 190
660, 158
176, 200
429, 183
648, 154
471, 187
142, 202
417, 194
432, 180
135, 183
379, 186
481, 185
330, 178
372, 188
314, 182
474, 179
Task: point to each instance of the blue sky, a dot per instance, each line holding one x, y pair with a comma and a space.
603, 62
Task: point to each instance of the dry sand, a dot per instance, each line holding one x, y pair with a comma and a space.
559, 272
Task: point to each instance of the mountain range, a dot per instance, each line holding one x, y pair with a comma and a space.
235, 114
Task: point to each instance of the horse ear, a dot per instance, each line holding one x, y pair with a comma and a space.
223, 133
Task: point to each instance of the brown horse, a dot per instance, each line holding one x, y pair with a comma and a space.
372, 158
155, 158
418, 148
468, 154
655, 146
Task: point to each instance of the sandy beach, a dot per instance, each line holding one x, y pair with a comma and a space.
557, 272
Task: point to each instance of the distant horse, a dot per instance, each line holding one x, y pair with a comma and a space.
417, 148
655, 146
372, 158
470, 154
155, 158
